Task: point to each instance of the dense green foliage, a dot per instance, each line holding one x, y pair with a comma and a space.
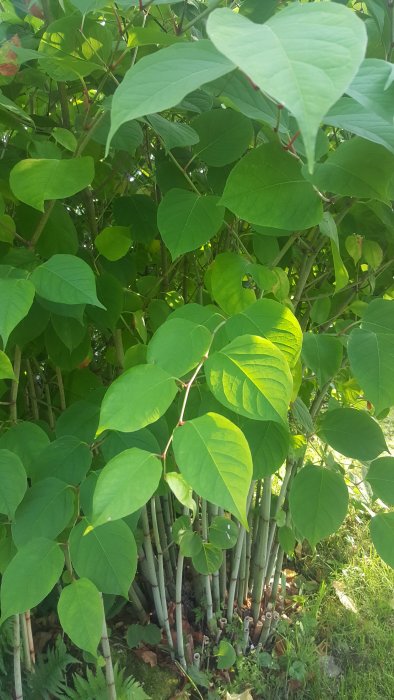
197, 319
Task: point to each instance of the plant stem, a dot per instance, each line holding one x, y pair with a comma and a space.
25, 640
32, 391
109, 669
204, 13
237, 560
161, 577
178, 611
62, 396
207, 582
17, 660
151, 567
15, 385
30, 638
262, 549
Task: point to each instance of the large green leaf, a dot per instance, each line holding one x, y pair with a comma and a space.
6, 370
379, 316
251, 377
224, 136
187, 220
173, 134
304, 56
267, 188
35, 180
153, 391
225, 279
353, 433
371, 357
178, 346
214, 457
318, 502
382, 534
106, 555
269, 445
16, 299
139, 212
351, 116
66, 458
13, 482
271, 320
125, 484
322, 353
373, 88
26, 440
44, 561
163, 79
66, 279
357, 168
208, 559
80, 611
113, 242
44, 512
381, 477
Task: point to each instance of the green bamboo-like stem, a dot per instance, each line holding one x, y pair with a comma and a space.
206, 579
223, 578
30, 638
168, 520
237, 560
51, 417
213, 511
25, 640
249, 542
178, 611
290, 470
255, 528
62, 396
17, 660
32, 391
164, 543
262, 549
242, 576
161, 577
151, 567
135, 601
271, 563
277, 575
109, 669
15, 385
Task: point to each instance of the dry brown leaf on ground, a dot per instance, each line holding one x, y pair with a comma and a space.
243, 696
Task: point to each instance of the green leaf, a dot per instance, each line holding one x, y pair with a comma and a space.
269, 445
68, 330
34, 181
106, 555
225, 278
173, 134
16, 299
353, 433
302, 417
80, 419
44, 561
322, 353
153, 391
287, 540
190, 543
113, 242
226, 655
6, 370
357, 168
181, 490
59, 234
223, 532
7, 229
382, 534
251, 377
178, 346
318, 502
266, 187
304, 56
379, 316
65, 137
13, 482
214, 457
125, 485
351, 116
26, 440
115, 443
163, 79
66, 458
381, 477
187, 220
271, 320
328, 228
224, 136
373, 87
80, 611
371, 357
66, 279
44, 512
208, 559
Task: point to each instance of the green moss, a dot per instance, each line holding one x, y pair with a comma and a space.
159, 682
